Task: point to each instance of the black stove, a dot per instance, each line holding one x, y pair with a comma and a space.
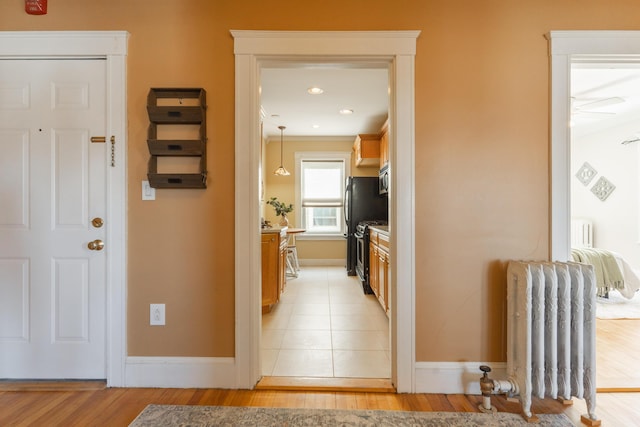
364, 225
362, 250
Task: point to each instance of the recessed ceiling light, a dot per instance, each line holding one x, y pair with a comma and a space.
346, 111
316, 126
315, 90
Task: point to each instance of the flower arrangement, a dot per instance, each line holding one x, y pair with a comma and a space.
280, 208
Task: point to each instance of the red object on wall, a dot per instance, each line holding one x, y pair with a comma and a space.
35, 7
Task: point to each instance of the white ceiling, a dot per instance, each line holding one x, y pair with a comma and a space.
285, 100
604, 96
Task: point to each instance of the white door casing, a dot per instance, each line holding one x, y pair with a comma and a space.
397, 49
109, 49
52, 287
566, 47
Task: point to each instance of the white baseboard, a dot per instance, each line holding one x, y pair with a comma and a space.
323, 262
181, 372
220, 372
454, 377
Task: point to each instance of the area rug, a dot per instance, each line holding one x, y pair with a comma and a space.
200, 416
618, 307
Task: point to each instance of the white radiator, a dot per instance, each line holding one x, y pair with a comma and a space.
581, 233
551, 332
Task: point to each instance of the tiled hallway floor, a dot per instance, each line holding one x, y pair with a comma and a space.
325, 326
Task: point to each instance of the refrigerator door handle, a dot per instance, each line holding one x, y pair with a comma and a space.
345, 205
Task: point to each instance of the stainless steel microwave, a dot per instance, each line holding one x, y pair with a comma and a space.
383, 180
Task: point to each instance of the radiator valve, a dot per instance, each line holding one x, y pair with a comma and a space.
486, 387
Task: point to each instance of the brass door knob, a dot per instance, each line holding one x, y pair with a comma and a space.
96, 245
97, 222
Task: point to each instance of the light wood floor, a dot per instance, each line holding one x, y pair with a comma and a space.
618, 354
119, 406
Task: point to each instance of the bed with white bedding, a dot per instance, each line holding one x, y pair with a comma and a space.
612, 271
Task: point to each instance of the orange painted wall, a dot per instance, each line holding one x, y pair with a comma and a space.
482, 152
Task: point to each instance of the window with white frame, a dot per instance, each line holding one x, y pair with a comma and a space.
320, 192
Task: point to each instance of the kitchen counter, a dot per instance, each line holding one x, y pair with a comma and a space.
381, 228
276, 229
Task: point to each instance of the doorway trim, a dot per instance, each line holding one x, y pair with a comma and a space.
112, 46
567, 47
397, 48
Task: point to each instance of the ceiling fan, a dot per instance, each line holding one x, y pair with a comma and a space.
590, 107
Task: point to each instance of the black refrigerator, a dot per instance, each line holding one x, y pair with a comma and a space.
362, 202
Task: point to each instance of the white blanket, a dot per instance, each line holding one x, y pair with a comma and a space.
607, 271
631, 279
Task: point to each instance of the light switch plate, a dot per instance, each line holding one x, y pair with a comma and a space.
156, 314
148, 192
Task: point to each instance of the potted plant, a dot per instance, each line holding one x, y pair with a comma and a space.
282, 209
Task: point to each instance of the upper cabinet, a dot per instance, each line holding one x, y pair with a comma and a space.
367, 150
372, 149
384, 145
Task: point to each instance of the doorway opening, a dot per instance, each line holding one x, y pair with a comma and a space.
253, 48
604, 202
324, 330
583, 118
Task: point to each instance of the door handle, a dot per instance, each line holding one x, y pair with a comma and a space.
96, 245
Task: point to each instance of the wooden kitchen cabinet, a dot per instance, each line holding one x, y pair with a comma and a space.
366, 150
373, 266
274, 253
383, 276
384, 145
379, 266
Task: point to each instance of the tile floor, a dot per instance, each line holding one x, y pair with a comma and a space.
325, 326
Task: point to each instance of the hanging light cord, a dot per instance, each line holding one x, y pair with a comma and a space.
281, 170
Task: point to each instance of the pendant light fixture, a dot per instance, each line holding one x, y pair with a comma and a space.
281, 170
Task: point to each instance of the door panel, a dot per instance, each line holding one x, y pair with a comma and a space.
14, 299
71, 304
52, 184
14, 164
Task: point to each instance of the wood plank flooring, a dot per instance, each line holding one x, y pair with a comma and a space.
54, 385
119, 406
618, 354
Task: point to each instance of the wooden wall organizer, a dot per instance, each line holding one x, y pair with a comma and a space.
177, 114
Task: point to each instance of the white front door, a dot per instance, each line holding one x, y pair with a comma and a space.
52, 199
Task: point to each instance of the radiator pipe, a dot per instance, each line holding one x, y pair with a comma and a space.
489, 387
